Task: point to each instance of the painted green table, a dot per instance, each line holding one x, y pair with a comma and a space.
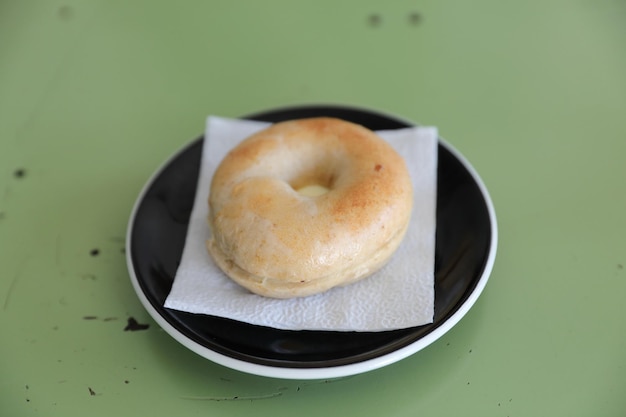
95, 95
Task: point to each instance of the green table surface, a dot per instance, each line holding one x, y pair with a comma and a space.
96, 95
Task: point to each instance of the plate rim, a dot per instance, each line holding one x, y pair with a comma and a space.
331, 371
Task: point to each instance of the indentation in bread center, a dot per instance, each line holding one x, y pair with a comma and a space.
318, 181
313, 190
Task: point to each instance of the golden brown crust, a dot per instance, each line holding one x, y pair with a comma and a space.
278, 243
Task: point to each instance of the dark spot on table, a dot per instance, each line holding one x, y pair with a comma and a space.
415, 18
90, 317
65, 12
123, 250
91, 392
470, 351
378, 167
126, 381
619, 266
19, 173
89, 276
110, 318
2, 215
133, 325
94, 252
374, 20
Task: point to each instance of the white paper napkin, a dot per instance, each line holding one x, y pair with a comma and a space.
400, 295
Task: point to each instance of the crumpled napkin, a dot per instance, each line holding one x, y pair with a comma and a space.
400, 295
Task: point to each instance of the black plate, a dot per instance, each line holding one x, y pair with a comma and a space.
464, 255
